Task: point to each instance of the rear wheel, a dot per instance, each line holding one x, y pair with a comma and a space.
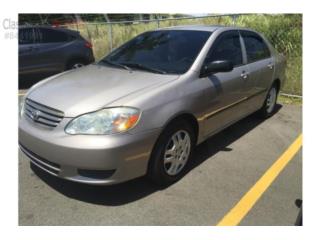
74, 64
270, 102
171, 153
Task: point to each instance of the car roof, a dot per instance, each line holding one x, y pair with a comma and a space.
51, 27
207, 28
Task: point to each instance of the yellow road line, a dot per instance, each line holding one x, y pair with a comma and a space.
240, 210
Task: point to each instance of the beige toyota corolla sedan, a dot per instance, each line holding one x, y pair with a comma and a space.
143, 108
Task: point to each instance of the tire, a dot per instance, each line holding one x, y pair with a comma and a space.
164, 174
74, 64
270, 102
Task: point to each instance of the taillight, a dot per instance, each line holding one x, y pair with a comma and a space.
88, 44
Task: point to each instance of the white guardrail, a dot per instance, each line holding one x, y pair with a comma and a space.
290, 95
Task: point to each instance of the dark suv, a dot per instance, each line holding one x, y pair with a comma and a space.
44, 51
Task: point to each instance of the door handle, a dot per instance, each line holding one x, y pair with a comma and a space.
270, 65
244, 75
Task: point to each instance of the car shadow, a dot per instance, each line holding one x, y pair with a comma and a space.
220, 141
136, 189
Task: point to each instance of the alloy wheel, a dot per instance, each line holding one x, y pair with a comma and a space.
77, 65
177, 152
271, 100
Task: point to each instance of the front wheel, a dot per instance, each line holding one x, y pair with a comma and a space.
270, 102
171, 154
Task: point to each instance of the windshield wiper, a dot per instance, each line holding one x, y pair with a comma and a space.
143, 67
116, 64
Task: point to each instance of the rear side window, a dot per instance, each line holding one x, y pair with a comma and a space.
256, 48
51, 36
226, 47
26, 36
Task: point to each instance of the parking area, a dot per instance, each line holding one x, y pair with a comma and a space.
223, 170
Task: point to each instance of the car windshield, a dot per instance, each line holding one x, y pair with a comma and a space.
163, 51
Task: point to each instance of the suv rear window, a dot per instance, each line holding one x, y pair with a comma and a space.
51, 36
256, 48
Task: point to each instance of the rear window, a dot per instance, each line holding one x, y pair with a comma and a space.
256, 48
51, 36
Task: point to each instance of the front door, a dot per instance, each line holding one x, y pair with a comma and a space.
226, 91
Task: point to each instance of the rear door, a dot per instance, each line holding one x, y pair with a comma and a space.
226, 90
260, 63
52, 46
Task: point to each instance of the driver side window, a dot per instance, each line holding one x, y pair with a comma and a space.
226, 47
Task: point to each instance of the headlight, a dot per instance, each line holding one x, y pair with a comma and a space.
22, 107
105, 121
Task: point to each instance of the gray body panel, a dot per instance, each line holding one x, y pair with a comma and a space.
215, 102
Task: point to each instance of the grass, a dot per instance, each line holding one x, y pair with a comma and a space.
283, 30
289, 100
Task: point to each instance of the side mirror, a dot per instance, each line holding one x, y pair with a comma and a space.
215, 67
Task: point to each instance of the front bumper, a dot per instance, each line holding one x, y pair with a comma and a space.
91, 159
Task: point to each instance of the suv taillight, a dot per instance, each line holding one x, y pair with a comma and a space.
88, 44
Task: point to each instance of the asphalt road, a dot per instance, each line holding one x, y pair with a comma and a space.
224, 168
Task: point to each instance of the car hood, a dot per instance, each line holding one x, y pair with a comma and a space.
93, 87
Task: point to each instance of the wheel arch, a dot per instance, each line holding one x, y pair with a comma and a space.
277, 82
184, 116
74, 59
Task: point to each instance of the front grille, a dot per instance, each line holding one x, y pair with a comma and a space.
42, 114
40, 162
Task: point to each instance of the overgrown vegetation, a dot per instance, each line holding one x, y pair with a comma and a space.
289, 100
283, 30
